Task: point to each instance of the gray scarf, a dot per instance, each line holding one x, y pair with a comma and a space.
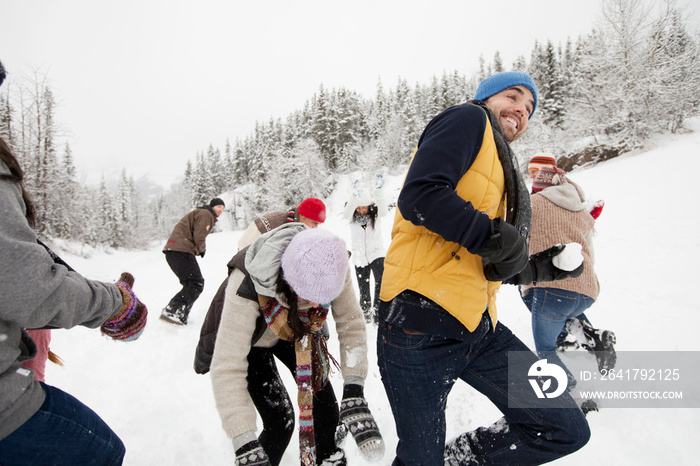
518, 209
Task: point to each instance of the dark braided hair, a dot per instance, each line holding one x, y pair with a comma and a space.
17, 175
292, 299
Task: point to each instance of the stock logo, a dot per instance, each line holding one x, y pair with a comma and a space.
541, 375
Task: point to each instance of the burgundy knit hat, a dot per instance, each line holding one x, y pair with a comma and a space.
313, 208
548, 176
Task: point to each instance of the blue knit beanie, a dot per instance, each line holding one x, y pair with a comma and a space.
502, 81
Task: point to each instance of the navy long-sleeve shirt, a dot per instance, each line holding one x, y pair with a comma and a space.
446, 150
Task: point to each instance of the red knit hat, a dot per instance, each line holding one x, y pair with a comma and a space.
548, 176
313, 208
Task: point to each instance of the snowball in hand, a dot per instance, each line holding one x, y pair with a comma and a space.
570, 258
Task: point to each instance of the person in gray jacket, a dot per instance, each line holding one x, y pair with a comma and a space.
40, 424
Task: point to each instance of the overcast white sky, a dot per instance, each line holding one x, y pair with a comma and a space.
145, 84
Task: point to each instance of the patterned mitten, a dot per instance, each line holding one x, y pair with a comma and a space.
355, 414
252, 454
130, 321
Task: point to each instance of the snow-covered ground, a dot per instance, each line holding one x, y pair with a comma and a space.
647, 250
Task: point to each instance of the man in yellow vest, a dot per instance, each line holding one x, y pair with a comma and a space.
460, 229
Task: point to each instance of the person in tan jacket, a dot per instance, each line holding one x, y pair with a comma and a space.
560, 216
187, 241
311, 212
278, 296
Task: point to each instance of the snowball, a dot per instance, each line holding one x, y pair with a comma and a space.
570, 258
355, 357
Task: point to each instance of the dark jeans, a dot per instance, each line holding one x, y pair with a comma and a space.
276, 410
418, 372
63, 432
185, 266
377, 268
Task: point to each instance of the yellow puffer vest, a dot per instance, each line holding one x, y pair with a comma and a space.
443, 271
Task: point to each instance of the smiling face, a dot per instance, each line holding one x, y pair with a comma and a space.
512, 108
362, 210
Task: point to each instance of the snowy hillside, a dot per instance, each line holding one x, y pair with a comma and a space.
647, 249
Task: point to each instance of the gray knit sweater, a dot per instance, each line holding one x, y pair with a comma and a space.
35, 292
559, 215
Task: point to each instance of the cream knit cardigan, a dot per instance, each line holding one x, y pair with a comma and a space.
229, 367
559, 215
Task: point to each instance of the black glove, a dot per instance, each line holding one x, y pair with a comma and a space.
505, 253
252, 454
540, 268
201, 254
355, 414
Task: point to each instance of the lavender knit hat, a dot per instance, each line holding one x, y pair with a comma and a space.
314, 264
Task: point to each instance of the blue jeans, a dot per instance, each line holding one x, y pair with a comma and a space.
551, 308
418, 372
63, 432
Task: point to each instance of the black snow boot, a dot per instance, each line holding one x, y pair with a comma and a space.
458, 451
176, 314
337, 458
598, 342
587, 406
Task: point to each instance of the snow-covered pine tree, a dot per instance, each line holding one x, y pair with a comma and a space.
241, 163
104, 214
6, 115
379, 111
406, 110
216, 170
551, 104
299, 173
229, 167
202, 184
674, 70
497, 63
44, 182
66, 196
520, 64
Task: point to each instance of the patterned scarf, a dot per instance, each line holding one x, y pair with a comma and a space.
313, 364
